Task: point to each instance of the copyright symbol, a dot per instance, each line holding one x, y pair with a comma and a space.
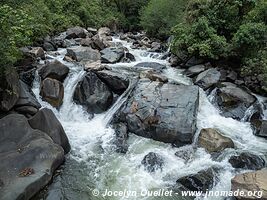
95, 192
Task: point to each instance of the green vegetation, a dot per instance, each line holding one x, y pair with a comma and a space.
225, 30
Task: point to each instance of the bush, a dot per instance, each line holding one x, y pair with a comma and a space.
159, 16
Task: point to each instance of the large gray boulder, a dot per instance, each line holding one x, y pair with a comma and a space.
247, 161
9, 90
83, 54
28, 158
121, 138
46, 121
152, 162
116, 81
55, 70
102, 39
27, 102
111, 54
76, 32
92, 93
52, 91
163, 112
195, 70
208, 78
251, 181
213, 141
233, 101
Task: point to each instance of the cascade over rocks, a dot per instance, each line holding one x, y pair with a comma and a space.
116, 81
92, 93
163, 112
250, 181
247, 161
28, 158
213, 141
83, 54
233, 101
152, 162
46, 121
55, 70
52, 91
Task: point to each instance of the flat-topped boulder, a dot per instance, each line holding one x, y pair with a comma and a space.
76, 32
28, 158
112, 54
83, 54
163, 112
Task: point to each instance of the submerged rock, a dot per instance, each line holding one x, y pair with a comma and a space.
233, 100
46, 121
92, 93
163, 112
213, 141
202, 181
247, 161
251, 181
52, 91
55, 70
28, 158
152, 162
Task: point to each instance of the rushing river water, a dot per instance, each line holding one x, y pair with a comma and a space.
94, 164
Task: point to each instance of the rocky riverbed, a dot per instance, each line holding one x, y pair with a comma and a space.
123, 113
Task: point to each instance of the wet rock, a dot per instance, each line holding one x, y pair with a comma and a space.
128, 57
193, 61
251, 181
22, 148
49, 44
202, 181
152, 65
27, 103
111, 54
83, 54
208, 78
233, 100
153, 76
92, 93
152, 162
262, 131
247, 161
156, 47
102, 39
116, 81
55, 70
28, 76
159, 111
213, 141
232, 76
195, 70
94, 66
52, 91
87, 42
121, 137
46, 121
186, 153
9, 90
76, 32
174, 60
34, 52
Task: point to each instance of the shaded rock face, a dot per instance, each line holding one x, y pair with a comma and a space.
152, 162
151, 65
27, 102
251, 181
260, 127
75, 32
102, 38
213, 141
202, 181
247, 161
195, 70
92, 93
121, 137
55, 70
153, 76
233, 101
112, 55
208, 78
9, 90
116, 81
163, 112
52, 91
28, 76
83, 54
46, 121
28, 158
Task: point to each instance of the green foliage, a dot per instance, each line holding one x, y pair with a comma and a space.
159, 16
